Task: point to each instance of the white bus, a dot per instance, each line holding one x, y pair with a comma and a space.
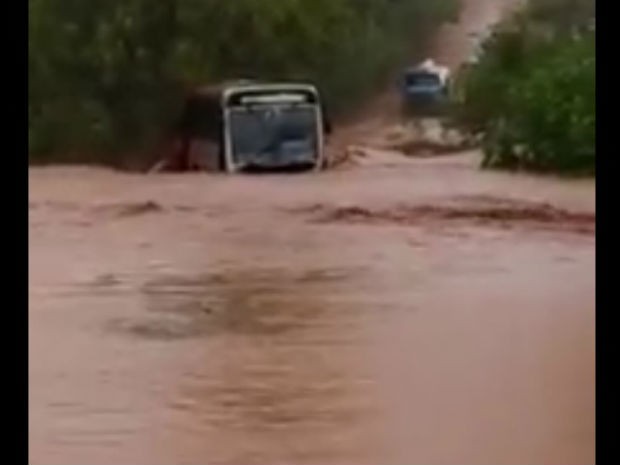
251, 126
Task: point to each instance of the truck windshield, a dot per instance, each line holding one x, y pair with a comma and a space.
422, 80
273, 135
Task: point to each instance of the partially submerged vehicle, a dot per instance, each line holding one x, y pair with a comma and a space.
251, 126
425, 88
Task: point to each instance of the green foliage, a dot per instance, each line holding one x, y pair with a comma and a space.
532, 94
106, 76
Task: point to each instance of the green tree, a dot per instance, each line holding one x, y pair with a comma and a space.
532, 95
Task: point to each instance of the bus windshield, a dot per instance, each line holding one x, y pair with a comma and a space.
273, 135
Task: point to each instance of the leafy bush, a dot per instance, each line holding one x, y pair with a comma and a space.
532, 94
106, 76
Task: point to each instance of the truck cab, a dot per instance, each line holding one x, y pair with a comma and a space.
425, 88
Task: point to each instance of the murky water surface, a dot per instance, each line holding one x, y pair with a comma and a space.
385, 313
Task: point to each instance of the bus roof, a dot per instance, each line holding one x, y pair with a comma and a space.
225, 89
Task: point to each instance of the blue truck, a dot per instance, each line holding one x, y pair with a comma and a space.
425, 89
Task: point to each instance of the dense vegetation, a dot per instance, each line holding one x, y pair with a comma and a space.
107, 76
532, 93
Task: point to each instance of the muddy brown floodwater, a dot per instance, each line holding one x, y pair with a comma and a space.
414, 311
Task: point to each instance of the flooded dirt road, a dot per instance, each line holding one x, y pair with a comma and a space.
396, 311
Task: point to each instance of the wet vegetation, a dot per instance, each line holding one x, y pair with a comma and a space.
106, 76
532, 93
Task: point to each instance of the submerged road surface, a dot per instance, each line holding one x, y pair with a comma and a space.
398, 311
